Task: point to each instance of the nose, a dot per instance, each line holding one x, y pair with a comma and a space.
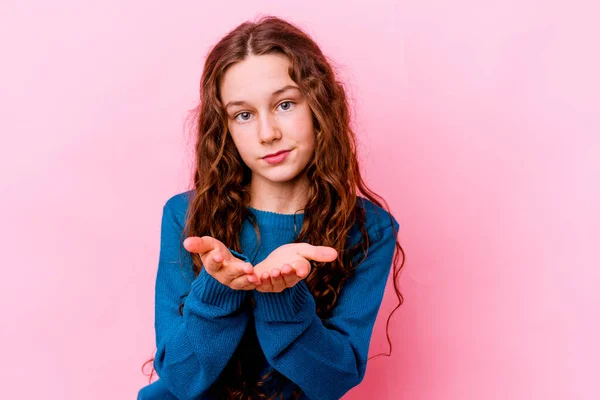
268, 129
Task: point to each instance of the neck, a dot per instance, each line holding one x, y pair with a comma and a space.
281, 198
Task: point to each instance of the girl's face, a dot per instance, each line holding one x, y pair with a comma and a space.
267, 113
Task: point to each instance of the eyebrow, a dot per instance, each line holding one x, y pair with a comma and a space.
275, 93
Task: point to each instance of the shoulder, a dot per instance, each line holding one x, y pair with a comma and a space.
377, 219
180, 200
178, 204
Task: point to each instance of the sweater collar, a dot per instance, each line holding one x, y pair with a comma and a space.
277, 220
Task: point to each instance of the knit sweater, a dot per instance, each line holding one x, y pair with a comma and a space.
324, 358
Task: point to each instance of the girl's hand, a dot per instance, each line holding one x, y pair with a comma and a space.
221, 264
289, 264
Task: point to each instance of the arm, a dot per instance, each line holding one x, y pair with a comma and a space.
326, 361
193, 349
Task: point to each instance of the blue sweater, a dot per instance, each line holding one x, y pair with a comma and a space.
324, 360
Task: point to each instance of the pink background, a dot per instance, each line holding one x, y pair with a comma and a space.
478, 122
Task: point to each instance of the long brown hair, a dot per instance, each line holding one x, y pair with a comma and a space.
222, 196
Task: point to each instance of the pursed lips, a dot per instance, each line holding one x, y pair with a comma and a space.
276, 154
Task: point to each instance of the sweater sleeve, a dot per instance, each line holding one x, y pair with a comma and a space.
326, 359
193, 349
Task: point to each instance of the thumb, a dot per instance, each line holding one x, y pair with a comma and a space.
318, 253
200, 245
208, 249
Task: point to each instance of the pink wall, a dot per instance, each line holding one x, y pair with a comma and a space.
478, 122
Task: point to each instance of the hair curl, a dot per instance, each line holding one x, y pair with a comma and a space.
333, 175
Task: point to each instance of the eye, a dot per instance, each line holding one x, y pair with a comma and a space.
244, 114
289, 105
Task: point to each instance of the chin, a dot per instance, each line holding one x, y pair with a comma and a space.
280, 178
281, 175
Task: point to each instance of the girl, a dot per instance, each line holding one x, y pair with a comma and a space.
272, 269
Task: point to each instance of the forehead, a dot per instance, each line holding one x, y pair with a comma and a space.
255, 77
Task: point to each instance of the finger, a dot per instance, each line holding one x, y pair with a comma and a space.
275, 273
277, 280
254, 279
212, 267
242, 283
238, 268
216, 256
200, 245
317, 253
301, 268
289, 275
245, 269
266, 285
213, 260
265, 276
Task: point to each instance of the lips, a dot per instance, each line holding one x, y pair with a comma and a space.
274, 154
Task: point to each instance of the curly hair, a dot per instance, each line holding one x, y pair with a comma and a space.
221, 179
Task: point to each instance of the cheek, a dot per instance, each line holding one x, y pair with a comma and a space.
240, 134
309, 134
239, 145
302, 126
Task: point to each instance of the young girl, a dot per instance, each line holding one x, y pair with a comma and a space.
272, 269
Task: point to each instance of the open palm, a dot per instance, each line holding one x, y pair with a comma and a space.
221, 264
289, 264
